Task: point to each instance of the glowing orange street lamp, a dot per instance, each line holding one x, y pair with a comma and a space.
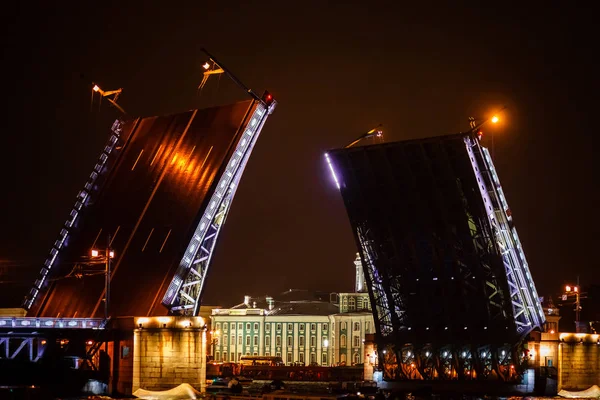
106, 257
573, 290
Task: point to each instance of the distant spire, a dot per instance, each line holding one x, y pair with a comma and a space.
359, 286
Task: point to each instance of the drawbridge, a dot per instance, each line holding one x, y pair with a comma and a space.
156, 201
447, 276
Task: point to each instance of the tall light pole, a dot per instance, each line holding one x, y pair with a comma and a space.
214, 338
574, 290
107, 257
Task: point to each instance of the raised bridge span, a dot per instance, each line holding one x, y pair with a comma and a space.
160, 192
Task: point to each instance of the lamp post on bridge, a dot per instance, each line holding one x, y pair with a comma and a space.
106, 257
574, 291
476, 123
214, 341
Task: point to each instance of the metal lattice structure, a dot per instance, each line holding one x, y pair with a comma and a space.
183, 294
83, 198
446, 273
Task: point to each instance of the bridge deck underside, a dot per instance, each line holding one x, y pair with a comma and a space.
150, 203
434, 274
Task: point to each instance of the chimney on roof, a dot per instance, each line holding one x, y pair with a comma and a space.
247, 300
270, 302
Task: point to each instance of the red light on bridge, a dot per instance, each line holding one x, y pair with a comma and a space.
267, 98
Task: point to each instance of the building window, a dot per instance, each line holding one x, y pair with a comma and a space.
217, 356
301, 341
290, 327
301, 327
225, 326
240, 326
367, 326
324, 359
268, 354
289, 357
343, 359
342, 340
256, 326
343, 325
313, 341
233, 326
233, 340
359, 304
247, 326
278, 327
267, 341
301, 357
313, 327
290, 341
224, 343
248, 340
313, 358
255, 340
278, 354
351, 304
216, 341
240, 340
247, 353
218, 326
356, 340
255, 354
225, 356
278, 341
356, 358
357, 326
268, 328
325, 326
239, 356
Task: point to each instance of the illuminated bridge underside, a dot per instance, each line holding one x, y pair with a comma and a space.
150, 193
445, 270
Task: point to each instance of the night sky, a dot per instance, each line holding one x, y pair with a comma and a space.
337, 70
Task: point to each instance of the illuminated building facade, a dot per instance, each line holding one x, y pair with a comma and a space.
300, 327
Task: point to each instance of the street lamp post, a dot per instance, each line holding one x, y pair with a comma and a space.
107, 257
475, 124
574, 290
214, 339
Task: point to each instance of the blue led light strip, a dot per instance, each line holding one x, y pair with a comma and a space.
527, 309
183, 293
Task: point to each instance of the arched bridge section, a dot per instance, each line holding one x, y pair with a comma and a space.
445, 269
160, 191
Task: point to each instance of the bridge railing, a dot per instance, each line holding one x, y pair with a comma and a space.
51, 323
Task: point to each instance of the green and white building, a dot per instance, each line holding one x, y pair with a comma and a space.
300, 327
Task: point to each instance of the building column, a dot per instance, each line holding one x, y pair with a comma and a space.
137, 360
203, 361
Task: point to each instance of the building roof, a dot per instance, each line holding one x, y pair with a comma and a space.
291, 302
304, 308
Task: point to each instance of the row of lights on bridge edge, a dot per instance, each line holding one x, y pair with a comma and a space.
143, 322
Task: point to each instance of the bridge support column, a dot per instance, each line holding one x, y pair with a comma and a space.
169, 351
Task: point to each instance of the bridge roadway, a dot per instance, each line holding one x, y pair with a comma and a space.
150, 204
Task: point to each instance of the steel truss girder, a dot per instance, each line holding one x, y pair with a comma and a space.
81, 202
527, 309
184, 293
466, 362
29, 347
